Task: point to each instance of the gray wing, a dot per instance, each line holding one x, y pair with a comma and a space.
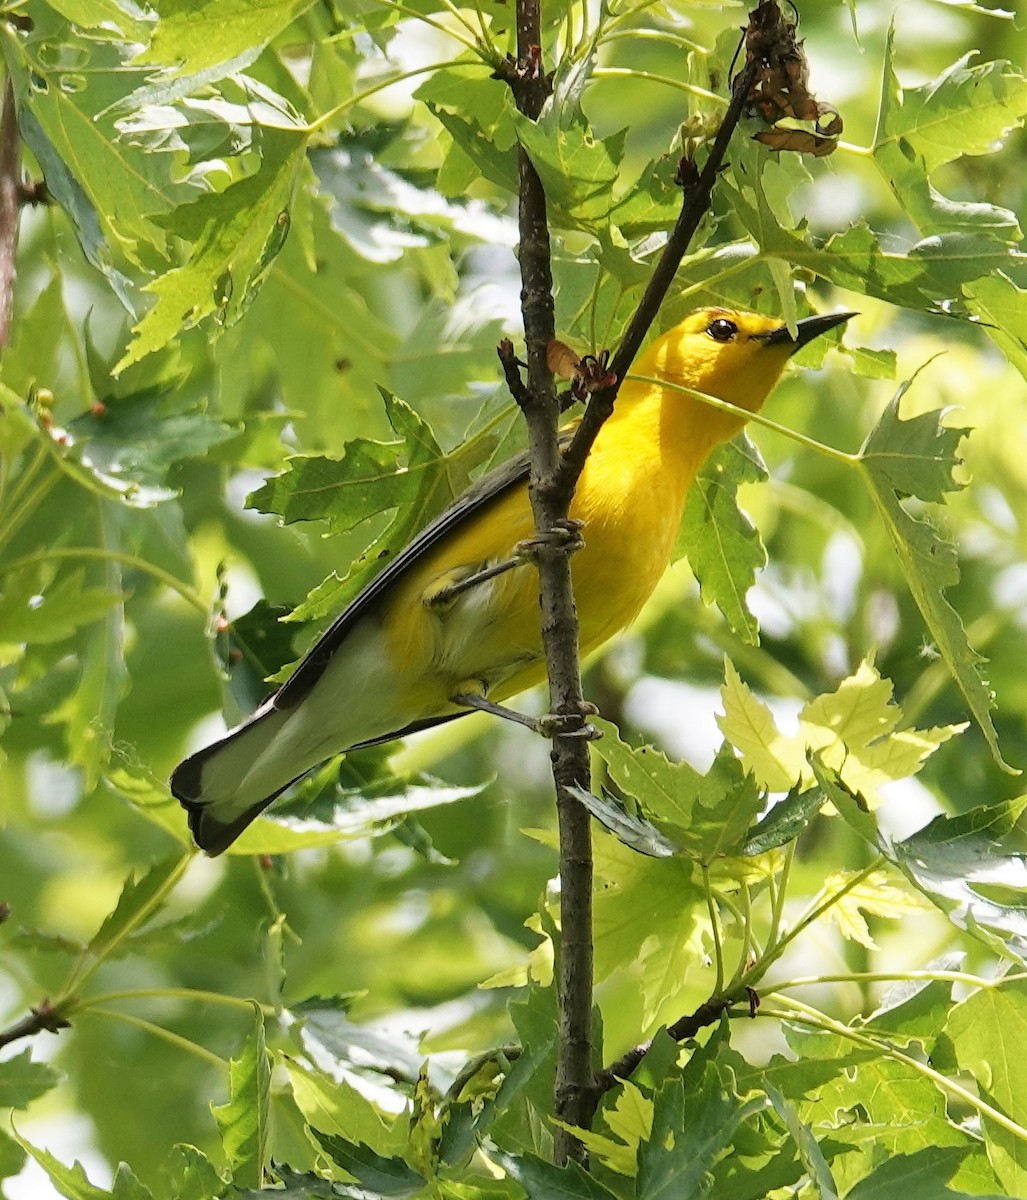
478, 496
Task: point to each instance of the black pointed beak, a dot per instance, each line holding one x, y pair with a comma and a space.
807, 329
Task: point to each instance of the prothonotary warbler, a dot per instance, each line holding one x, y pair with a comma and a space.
452, 619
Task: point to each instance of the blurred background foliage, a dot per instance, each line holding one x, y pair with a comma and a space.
398, 272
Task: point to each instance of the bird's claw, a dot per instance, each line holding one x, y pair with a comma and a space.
564, 535
570, 724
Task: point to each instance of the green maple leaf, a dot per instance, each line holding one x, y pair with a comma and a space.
915, 458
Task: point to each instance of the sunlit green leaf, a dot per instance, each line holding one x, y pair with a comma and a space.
195, 36
928, 1171
32, 611
577, 169
965, 111
915, 456
22, 1080
12, 1156
809, 1150
243, 1120
1002, 307
985, 1030
235, 237
690, 1132
88, 713
139, 902
191, 1174
115, 193
73, 1183
705, 816
336, 1107
479, 115
904, 457
720, 542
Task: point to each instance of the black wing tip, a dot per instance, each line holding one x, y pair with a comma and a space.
210, 834
186, 781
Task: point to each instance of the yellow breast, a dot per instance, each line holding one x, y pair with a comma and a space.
629, 497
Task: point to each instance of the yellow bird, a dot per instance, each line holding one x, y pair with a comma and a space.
454, 618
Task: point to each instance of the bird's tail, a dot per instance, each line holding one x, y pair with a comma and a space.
224, 786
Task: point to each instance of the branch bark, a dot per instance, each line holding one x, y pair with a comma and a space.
685, 1027
44, 1018
551, 488
10, 204
574, 1100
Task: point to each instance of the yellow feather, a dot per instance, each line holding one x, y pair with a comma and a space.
403, 662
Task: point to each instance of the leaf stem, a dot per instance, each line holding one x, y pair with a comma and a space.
812, 914
176, 993
129, 560
476, 34
626, 15
902, 977
718, 946
657, 35
795, 1010
486, 33
380, 86
780, 891
681, 85
23, 506
840, 456
472, 42
748, 949
166, 1035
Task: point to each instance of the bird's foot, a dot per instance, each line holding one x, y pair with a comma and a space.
570, 724
549, 725
565, 535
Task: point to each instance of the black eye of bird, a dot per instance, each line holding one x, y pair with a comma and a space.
722, 330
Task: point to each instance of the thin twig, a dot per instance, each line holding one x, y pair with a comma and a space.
685, 1027
696, 203
10, 204
46, 1018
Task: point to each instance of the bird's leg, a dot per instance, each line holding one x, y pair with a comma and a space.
564, 533
549, 725
442, 596
478, 702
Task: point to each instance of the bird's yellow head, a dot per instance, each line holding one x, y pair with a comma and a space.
735, 356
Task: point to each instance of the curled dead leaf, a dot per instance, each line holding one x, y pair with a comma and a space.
780, 90
562, 360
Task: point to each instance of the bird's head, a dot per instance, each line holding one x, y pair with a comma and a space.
735, 356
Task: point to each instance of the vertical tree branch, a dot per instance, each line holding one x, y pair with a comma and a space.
575, 1087
10, 179
552, 482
